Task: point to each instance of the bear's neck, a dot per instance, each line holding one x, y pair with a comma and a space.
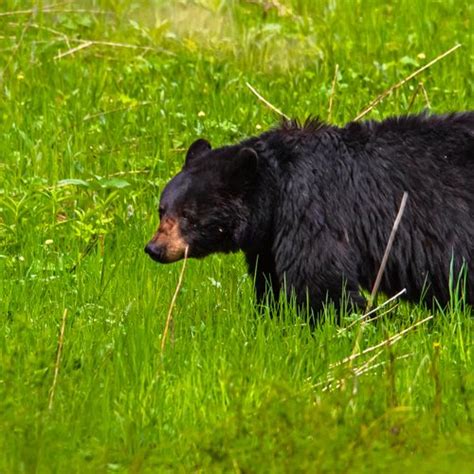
261, 201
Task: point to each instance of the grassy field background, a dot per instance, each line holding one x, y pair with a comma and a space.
98, 101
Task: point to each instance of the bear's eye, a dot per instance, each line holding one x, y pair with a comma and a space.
188, 216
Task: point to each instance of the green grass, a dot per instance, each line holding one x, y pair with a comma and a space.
235, 391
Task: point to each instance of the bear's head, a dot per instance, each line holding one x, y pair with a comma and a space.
203, 208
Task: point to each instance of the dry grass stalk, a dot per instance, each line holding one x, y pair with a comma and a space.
396, 86
333, 92
380, 315
128, 173
87, 44
356, 349
338, 382
58, 360
54, 9
332, 383
413, 97
380, 364
420, 87
330, 379
425, 95
64, 37
367, 363
386, 254
372, 311
115, 44
31, 11
389, 341
61, 36
265, 101
118, 109
169, 317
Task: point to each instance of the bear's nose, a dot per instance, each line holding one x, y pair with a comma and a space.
153, 251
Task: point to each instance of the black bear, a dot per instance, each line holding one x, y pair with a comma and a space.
312, 207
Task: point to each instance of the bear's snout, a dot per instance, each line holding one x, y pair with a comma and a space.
155, 252
167, 245
164, 254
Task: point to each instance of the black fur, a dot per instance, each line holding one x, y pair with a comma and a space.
312, 206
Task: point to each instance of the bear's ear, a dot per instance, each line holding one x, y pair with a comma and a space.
243, 167
199, 147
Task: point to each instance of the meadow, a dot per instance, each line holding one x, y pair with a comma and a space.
98, 101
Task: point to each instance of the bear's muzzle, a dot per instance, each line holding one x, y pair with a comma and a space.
167, 245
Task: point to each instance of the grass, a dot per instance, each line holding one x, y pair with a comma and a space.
88, 140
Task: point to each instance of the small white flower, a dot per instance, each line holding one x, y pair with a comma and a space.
215, 283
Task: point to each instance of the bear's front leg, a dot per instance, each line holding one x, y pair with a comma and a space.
314, 292
321, 279
261, 267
